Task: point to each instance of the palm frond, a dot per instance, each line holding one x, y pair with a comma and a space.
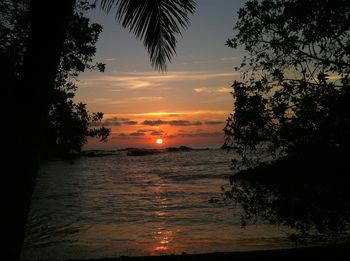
155, 22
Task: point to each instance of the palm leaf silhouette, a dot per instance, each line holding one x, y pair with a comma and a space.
155, 22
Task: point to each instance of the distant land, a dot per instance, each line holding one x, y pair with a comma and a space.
141, 151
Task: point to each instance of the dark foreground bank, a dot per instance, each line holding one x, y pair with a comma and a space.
334, 252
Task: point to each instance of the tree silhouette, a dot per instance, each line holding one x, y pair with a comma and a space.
315, 210
291, 117
29, 98
69, 123
294, 93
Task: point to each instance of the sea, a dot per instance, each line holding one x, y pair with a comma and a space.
111, 205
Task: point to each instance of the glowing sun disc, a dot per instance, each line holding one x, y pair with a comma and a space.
159, 141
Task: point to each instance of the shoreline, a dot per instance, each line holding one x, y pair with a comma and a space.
331, 252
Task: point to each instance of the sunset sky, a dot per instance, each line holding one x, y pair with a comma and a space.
187, 105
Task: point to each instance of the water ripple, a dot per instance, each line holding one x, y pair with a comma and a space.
119, 205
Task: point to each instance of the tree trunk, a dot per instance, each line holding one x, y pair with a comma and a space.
27, 112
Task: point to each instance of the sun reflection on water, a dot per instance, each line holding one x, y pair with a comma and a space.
163, 237
137, 206
163, 240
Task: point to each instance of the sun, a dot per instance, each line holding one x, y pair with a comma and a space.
159, 141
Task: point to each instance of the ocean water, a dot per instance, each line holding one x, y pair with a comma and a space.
120, 205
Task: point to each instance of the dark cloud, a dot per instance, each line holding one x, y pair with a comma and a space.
214, 122
138, 133
111, 122
184, 123
119, 136
172, 123
129, 136
115, 121
154, 123
201, 134
105, 123
157, 133
130, 122
141, 134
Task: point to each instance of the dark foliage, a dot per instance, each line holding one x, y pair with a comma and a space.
70, 124
291, 117
292, 193
294, 93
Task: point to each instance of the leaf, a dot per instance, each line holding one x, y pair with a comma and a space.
155, 22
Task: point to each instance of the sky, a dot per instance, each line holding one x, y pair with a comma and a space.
186, 105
